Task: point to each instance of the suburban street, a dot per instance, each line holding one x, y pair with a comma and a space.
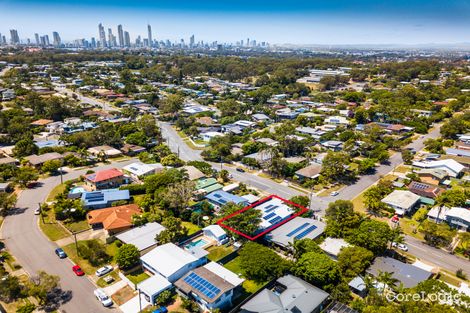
365, 181
436, 256
177, 145
88, 100
424, 252
32, 249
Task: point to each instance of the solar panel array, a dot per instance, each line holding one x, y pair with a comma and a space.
420, 186
305, 232
275, 220
297, 229
270, 215
270, 208
202, 285
94, 196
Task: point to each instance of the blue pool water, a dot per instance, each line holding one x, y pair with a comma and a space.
77, 190
197, 243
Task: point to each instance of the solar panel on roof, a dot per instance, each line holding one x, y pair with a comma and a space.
217, 195
270, 215
275, 220
271, 209
298, 229
420, 186
305, 232
202, 285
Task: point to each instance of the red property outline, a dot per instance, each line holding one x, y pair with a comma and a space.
302, 211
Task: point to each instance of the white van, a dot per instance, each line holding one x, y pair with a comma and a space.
103, 297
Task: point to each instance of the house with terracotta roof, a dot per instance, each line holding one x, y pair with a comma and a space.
113, 219
41, 122
105, 179
425, 190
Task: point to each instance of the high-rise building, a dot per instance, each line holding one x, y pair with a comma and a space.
36, 36
127, 39
102, 36
149, 31
4, 40
14, 38
247, 42
56, 39
111, 38
93, 42
46, 38
191, 41
120, 36
1, 41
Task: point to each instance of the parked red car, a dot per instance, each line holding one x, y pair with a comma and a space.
77, 270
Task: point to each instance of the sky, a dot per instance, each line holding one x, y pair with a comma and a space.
327, 22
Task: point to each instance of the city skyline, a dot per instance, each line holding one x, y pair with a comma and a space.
298, 22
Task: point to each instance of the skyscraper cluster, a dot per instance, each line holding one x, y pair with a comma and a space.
42, 41
123, 38
108, 39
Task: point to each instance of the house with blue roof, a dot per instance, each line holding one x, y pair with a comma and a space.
103, 198
219, 198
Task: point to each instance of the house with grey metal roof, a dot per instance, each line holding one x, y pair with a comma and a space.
296, 229
289, 294
402, 201
408, 274
143, 237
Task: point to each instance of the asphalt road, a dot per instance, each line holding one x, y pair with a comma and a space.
365, 181
177, 145
89, 100
436, 256
419, 249
33, 250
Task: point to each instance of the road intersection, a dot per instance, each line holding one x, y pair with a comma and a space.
34, 251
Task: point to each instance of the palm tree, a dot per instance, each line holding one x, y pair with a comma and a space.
396, 236
388, 280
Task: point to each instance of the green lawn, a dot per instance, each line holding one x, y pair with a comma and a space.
77, 226
249, 286
402, 169
51, 228
327, 192
84, 264
101, 283
191, 227
410, 227
358, 203
54, 192
217, 253
450, 279
137, 276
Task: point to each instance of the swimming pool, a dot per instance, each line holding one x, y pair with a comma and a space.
197, 243
77, 189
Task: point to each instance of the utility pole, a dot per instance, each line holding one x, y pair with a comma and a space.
40, 212
140, 301
76, 243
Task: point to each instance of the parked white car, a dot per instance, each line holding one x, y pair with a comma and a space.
104, 270
334, 193
400, 246
103, 297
